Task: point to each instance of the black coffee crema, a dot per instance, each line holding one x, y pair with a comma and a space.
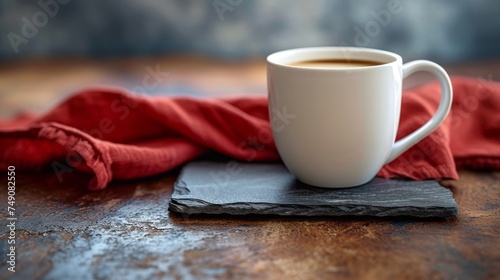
335, 63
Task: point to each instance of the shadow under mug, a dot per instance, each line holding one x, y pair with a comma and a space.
336, 127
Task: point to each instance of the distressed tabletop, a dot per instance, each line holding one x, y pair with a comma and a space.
64, 231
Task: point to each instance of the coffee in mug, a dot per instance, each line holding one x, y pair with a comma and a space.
335, 63
345, 104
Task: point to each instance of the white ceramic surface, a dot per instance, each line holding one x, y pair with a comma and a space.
336, 128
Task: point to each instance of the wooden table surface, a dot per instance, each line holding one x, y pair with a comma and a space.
65, 231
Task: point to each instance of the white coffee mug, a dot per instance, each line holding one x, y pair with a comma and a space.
336, 127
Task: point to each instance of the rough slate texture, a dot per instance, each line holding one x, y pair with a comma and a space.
254, 188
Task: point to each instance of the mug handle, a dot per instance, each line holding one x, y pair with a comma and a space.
444, 106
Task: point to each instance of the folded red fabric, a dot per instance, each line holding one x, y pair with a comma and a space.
112, 134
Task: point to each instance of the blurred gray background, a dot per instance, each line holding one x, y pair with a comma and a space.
445, 31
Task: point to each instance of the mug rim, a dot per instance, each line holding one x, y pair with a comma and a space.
277, 58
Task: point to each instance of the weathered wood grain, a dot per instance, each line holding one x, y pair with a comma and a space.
126, 232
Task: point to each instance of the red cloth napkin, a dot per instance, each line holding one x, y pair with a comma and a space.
114, 135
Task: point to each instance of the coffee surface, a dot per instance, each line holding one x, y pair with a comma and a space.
335, 63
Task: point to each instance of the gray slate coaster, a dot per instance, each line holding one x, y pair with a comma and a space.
254, 188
